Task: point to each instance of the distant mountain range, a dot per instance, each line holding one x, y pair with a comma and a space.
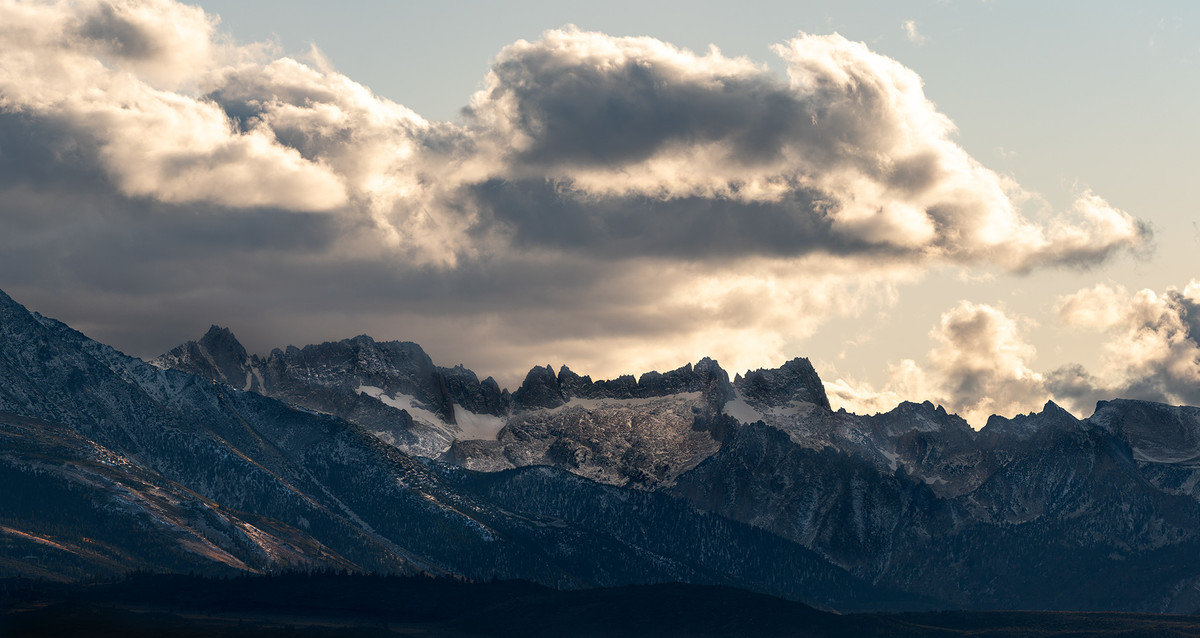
367, 456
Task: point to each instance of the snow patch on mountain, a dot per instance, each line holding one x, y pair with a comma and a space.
892, 457
740, 410
469, 425
405, 402
1161, 455
477, 426
597, 404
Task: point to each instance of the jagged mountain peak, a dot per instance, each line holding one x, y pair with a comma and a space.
796, 380
391, 387
217, 355
362, 357
222, 340
923, 417
543, 389
1024, 426
1051, 405
539, 390
567, 376
216, 332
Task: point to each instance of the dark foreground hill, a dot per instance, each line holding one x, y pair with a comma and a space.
332, 605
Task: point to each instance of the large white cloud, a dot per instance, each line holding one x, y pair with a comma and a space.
848, 156
618, 202
115, 77
606, 136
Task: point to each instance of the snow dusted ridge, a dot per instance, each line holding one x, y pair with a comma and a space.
391, 389
638, 442
466, 425
740, 410
476, 426
642, 432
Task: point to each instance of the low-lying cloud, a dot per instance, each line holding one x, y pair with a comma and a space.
981, 364
693, 203
1152, 346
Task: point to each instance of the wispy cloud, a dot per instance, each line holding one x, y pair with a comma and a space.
910, 31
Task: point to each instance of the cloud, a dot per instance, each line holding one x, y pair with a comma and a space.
610, 202
847, 157
104, 74
909, 27
577, 140
978, 367
1152, 350
981, 363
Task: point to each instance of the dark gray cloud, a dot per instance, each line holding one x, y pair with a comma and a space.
118, 35
849, 152
540, 214
43, 152
1072, 385
587, 115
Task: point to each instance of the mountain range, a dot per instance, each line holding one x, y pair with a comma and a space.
367, 456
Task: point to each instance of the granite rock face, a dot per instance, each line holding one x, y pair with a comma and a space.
391, 388
630, 432
794, 381
539, 390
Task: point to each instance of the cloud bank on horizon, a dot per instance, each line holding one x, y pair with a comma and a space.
613, 202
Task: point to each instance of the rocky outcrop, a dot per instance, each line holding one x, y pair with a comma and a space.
795, 380
637, 433
391, 388
218, 355
539, 390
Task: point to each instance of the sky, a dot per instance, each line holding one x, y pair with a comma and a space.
983, 204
